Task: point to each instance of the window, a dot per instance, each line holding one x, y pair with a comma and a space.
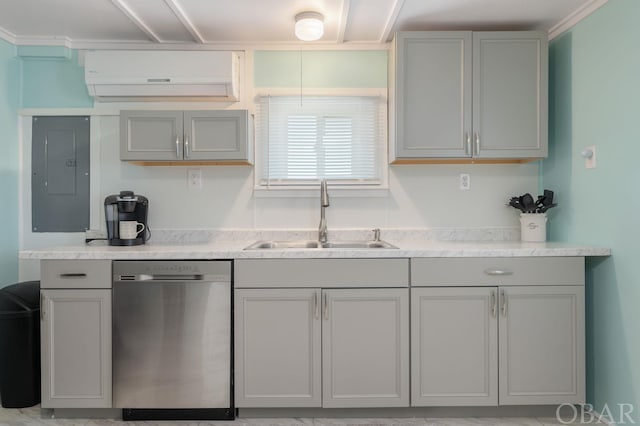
302, 140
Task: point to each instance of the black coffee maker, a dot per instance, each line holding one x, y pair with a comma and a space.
126, 206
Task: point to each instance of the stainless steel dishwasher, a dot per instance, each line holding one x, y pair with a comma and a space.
172, 351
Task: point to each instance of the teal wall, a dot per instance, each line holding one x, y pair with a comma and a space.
9, 99
595, 100
52, 78
321, 69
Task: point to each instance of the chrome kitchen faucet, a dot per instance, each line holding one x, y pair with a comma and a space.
324, 202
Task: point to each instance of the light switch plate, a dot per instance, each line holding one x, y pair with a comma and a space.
194, 178
590, 163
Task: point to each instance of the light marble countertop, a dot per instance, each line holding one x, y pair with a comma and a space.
235, 250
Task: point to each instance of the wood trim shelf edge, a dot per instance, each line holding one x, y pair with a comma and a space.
191, 163
403, 161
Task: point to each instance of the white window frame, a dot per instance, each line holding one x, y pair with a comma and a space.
337, 187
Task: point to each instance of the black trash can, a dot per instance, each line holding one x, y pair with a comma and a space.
20, 345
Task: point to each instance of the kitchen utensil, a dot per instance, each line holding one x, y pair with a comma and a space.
545, 208
548, 197
528, 203
515, 203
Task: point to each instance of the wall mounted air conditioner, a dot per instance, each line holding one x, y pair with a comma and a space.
153, 75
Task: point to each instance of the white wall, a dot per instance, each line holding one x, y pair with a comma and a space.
419, 195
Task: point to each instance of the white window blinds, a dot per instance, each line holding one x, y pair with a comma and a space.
339, 138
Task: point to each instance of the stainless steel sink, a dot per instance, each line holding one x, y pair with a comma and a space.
358, 245
277, 245
303, 244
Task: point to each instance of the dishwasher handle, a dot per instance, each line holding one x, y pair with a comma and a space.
172, 278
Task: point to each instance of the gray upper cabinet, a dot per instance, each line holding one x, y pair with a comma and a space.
510, 75
464, 95
431, 95
170, 136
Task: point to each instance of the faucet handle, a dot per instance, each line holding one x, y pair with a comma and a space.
376, 234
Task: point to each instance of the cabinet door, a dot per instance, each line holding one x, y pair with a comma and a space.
216, 135
365, 348
432, 94
76, 348
510, 94
542, 345
454, 346
151, 135
277, 348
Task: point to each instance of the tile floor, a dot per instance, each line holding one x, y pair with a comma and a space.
35, 417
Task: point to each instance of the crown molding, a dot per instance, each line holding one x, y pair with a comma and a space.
43, 41
576, 16
7, 36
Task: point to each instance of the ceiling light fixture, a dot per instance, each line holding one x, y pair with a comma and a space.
309, 26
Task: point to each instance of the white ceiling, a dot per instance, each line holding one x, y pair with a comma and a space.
122, 23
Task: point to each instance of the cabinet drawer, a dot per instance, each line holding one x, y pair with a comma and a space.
75, 274
325, 273
493, 271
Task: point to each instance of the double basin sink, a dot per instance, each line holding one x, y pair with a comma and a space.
304, 244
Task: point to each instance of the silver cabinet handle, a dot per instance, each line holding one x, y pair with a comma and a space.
186, 147
41, 306
73, 275
477, 144
493, 303
467, 144
503, 303
316, 306
326, 306
177, 147
498, 272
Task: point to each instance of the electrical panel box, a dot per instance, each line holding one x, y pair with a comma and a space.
60, 174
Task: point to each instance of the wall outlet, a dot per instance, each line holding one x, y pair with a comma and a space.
194, 178
465, 181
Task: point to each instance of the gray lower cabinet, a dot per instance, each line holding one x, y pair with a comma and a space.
542, 358
76, 348
303, 347
365, 348
454, 346
75, 333
277, 348
220, 135
514, 333
462, 94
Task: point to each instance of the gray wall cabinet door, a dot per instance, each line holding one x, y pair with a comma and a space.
432, 114
468, 94
216, 135
510, 94
454, 346
542, 345
277, 348
76, 348
151, 135
365, 348
184, 135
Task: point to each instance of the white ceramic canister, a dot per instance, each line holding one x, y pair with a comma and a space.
533, 227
